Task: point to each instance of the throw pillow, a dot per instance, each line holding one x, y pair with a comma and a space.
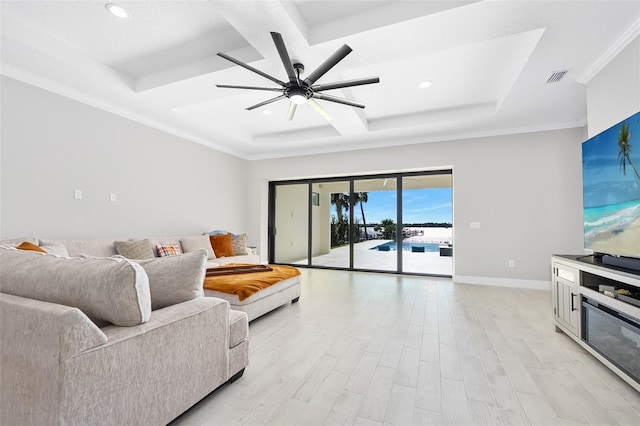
217, 232
138, 249
199, 242
26, 245
239, 244
175, 279
113, 290
222, 245
168, 250
57, 249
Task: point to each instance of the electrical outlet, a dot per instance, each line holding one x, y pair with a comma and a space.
77, 194
512, 264
112, 197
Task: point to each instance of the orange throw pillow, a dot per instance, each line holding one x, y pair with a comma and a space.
30, 247
222, 245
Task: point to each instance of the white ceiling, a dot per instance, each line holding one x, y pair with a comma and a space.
489, 62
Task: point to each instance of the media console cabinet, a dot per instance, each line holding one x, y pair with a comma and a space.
588, 306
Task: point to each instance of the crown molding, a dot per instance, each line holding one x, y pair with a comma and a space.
605, 57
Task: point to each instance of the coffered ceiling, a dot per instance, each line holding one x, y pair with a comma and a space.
489, 62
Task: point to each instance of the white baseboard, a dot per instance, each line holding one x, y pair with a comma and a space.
503, 282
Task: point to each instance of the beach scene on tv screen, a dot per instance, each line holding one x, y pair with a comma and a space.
611, 189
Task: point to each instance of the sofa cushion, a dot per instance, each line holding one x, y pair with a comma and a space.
168, 250
222, 245
196, 243
238, 327
175, 279
136, 249
26, 245
239, 243
101, 247
113, 290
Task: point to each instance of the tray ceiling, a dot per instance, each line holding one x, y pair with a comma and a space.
488, 60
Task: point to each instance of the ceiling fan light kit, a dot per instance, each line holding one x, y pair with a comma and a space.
302, 91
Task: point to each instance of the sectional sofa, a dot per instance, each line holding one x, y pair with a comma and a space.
255, 306
106, 340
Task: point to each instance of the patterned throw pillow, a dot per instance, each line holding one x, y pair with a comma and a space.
168, 250
239, 244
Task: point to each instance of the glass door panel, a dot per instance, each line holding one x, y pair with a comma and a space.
427, 224
331, 225
291, 223
374, 228
320, 224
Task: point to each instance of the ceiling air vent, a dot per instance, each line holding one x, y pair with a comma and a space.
556, 76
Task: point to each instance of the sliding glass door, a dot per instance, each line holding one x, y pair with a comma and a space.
291, 223
375, 218
401, 222
332, 225
427, 218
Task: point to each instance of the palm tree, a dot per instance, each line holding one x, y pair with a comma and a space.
624, 154
359, 198
341, 201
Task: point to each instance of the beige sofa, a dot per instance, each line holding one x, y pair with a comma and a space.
105, 247
69, 363
255, 306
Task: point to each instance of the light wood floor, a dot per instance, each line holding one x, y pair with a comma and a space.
369, 349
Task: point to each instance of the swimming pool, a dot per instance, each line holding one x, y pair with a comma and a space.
392, 246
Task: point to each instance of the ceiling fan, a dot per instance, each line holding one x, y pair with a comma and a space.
302, 91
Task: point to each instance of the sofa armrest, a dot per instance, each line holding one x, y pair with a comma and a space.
35, 337
174, 313
181, 353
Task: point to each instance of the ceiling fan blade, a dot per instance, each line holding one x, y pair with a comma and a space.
292, 111
328, 64
231, 86
318, 108
346, 83
284, 56
250, 68
338, 100
277, 98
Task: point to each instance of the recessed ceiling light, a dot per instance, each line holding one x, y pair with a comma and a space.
116, 10
266, 112
425, 84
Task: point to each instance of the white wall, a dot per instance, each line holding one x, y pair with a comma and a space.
52, 145
525, 190
614, 93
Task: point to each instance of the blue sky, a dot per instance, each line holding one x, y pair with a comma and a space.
419, 205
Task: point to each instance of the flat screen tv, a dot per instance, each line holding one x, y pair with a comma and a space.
611, 190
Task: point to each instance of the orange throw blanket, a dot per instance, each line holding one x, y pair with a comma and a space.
245, 285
